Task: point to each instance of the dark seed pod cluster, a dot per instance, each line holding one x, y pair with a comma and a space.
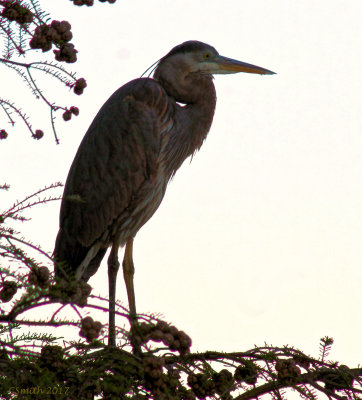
3, 134
13, 11
81, 295
90, 2
38, 134
67, 115
39, 277
287, 371
74, 110
223, 381
153, 375
162, 332
52, 357
79, 86
90, 329
201, 385
246, 373
58, 33
83, 2
66, 53
8, 290
76, 292
185, 394
40, 38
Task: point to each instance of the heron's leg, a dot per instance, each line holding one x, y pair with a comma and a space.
128, 272
113, 266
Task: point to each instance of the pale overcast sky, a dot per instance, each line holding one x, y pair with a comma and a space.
259, 238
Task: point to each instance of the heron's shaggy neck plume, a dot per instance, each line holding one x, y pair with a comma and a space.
192, 121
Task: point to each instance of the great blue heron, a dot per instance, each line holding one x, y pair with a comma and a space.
134, 146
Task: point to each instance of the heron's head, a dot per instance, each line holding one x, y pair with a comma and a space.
194, 56
188, 68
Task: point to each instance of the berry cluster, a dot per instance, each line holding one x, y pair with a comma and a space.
83, 2
81, 294
79, 85
9, 288
246, 373
67, 292
153, 375
90, 329
90, 2
287, 370
220, 383
201, 385
67, 115
52, 357
173, 375
13, 11
162, 332
3, 134
57, 33
223, 381
38, 134
45, 35
39, 277
66, 53
185, 394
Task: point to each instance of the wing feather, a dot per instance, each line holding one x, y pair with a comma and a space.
118, 155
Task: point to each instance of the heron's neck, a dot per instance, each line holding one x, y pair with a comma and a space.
191, 124
198, 116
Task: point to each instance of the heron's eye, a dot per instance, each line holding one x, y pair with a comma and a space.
207, 56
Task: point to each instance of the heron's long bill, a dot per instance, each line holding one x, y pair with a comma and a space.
230, 66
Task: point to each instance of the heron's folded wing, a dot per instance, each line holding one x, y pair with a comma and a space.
118, 154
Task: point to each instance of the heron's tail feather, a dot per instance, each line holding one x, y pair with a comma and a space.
74, 261
92, 266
